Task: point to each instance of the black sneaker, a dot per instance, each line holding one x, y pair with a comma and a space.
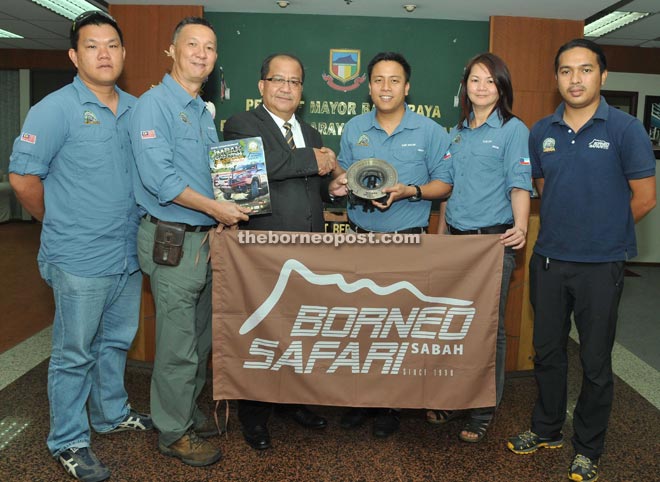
528, 442
583, 469
81, 463
138, 422
386, 423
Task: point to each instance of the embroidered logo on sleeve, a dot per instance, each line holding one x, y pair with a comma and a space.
548, 144
148, 134
524, 161
446, 156
90, 118
31, 138
598, 144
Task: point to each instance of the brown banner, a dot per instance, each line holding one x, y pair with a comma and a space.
374, 325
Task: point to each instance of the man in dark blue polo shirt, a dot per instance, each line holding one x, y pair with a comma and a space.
595, 170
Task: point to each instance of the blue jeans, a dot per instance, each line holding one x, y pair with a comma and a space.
95, 322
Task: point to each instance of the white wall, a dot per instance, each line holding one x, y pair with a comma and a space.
648, 229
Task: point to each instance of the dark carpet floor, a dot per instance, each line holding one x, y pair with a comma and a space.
419, 452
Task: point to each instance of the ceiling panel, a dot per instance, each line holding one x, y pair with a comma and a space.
50, 30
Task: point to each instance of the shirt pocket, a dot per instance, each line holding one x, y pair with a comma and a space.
94, 146
488, 157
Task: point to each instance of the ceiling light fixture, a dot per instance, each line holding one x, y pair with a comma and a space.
67, 8
410, 8
282, 3
611, 22
6, 34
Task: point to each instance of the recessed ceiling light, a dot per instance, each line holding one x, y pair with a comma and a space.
6, 34
611, 22
67, 8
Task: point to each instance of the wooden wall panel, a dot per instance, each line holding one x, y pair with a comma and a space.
528, 46
147, 33
638, 60
14, 59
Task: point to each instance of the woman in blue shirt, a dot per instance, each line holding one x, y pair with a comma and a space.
488, 166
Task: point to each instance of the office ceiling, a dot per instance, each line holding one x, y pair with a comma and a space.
44, 29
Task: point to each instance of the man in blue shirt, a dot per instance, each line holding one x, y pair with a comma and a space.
414, 146
171, 130
595, 170
71, 169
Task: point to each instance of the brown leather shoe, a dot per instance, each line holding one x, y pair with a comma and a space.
192, 450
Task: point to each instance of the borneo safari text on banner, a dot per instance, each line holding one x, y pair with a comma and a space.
372, 325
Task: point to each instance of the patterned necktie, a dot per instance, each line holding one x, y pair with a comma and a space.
289, 135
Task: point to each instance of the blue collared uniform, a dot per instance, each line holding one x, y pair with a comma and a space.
414, 149
484, 165
82, 153
171, 132
616, 147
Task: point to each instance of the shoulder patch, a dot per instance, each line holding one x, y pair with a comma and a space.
151, 134
29, 138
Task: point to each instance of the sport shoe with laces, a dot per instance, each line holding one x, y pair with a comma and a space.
528, 442
138, 422
192, 450
82, 464
583, 469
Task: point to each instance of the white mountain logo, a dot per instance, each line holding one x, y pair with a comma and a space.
334, 279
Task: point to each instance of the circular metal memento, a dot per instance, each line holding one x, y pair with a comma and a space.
367, 177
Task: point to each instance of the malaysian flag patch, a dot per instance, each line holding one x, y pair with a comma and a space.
524, 161
446, 156
31, 138
148, 134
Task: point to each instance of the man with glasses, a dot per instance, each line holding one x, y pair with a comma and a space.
171, 130
71, 169
300, 171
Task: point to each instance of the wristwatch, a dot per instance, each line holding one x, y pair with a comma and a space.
418, 194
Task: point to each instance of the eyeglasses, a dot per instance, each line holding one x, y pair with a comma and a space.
88, 14
280, 81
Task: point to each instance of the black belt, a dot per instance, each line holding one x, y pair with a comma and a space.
189, 228
497, 229
358, 229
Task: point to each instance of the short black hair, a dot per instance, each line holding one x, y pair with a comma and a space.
190, 21
584, 43
392, 56
265, 65
92, 17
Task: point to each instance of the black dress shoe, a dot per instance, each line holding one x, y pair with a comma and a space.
308, 419
353, 417
257, 437
386, 423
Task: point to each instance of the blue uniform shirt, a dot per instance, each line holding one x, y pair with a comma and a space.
171, 133
483, 165
82, 153
414, 149
585, 207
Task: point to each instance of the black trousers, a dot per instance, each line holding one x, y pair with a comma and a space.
591, 291
252, 412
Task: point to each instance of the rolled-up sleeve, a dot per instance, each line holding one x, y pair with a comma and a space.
518, 170
151, 140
